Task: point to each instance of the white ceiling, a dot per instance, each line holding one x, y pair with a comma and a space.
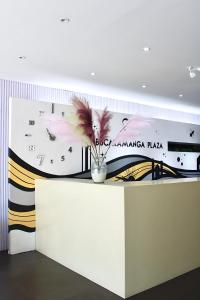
105, 37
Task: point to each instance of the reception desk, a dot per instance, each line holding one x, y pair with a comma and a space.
126, 237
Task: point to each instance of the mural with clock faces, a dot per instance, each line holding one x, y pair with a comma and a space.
166, 149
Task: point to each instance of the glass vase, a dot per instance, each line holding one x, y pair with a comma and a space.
99, 170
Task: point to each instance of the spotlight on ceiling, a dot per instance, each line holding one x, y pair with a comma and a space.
192, 74
180, 95
22, 57
92, 74
144, 86
146, 49
192, 71
65, 20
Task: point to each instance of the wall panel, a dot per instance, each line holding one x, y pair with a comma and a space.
32, 92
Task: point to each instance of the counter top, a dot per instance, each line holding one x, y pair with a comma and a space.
127, 184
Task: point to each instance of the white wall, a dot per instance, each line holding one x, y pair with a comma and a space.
32, 92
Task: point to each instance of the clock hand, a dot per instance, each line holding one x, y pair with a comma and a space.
52, 137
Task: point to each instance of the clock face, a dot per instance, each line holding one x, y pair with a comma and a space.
33, 142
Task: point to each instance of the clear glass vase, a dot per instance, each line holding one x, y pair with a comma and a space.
99, 170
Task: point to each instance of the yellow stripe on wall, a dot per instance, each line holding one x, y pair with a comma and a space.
30, 224
23, 170
139, 170
22, 214
19, 181
20, 175
21, 218
134, 171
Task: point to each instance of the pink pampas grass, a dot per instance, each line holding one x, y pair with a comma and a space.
84, 116
104, 126
131, 129
81, 129
61, 128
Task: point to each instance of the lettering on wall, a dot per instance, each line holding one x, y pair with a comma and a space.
136, 144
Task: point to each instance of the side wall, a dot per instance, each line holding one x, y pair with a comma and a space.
28, 91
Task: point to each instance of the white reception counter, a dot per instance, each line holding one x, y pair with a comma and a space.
126, 237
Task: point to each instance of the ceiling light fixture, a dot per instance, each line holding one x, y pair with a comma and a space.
92, 74
192, 71
65, 20
22, 57
181, 95
146, 49
144, 86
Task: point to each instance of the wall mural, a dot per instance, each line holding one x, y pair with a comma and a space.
164, 150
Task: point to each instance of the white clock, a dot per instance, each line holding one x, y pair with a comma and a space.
34, 143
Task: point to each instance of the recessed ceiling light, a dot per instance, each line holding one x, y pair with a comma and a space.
144, 86
22, 57
192, 71
92, 74
192, 75
65, 20
146, 49
181, 95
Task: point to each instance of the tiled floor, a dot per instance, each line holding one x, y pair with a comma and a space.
32, 276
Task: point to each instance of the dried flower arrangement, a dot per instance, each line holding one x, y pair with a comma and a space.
85, 127
81, 128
